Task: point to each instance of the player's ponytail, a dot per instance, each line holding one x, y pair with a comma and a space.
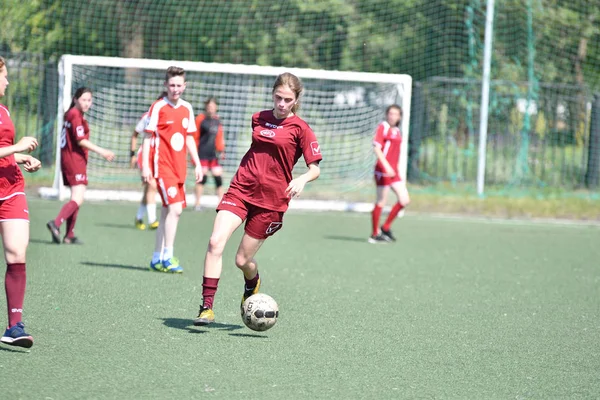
295, 85
78, 93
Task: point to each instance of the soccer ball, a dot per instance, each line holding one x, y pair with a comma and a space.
260, 312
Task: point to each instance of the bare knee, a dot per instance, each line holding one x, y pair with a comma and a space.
216, 245
241, 261
15, 255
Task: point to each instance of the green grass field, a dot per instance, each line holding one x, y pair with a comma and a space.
456, 309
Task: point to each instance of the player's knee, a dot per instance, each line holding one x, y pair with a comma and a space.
15, 255
241, 260
204, 179
216, 245
218, 181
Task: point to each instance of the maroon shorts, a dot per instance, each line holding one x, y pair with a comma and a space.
14, 207
210, 163
260, 222
171, 191
382, 180
75, 178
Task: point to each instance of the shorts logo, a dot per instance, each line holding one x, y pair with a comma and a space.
185, 122
79, 177
229, 203
267, 133
315, 147
172, 192
273, 227
177, 141
80, 131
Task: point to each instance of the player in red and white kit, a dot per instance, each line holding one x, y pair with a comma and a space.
386, 145
74, 146
261, 189
172, 126
14, 218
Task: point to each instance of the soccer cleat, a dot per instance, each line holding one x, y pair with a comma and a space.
16, 336
139, 224
158, 267
378, 239
250, 291
388, 235
198, 208
172, 266
72, 240
54, 231
154, 225
205, 316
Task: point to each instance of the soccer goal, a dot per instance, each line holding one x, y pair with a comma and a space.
343, 108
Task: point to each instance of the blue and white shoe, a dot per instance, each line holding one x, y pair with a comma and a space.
172, 266
16, 336
156, 266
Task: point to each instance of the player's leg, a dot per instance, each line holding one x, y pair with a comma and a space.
403, 199
170, 263
217, 173
151, 204
139, 216
159, 243
244, 260
382, 192
226, 222
15, 237
199, 189
77, 195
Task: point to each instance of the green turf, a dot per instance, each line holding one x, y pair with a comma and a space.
456, 309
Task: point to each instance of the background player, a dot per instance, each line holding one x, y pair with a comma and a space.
148, 201
169, 117
261, 189
14, 218
74, 146
211, 147
386, 145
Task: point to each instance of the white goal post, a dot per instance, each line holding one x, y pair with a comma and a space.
343, 108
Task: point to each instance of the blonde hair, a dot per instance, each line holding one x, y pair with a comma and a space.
294, 83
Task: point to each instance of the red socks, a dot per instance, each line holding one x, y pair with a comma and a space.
251, 283
209, 289
65, 212
375, 214
393, 214
71, 224
14, 284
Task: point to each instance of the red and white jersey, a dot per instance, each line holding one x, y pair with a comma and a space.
266, 169
388, 139
170, 124
75, 128
11, 178
140, 128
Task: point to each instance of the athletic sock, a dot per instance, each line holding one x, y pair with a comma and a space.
167, 253
251, 283
140, 212
14, 284
375, 215
151, 212
393, 214
156, 257
209, 289
71, 221
65, 212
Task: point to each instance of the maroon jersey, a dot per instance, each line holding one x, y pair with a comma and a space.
73, 157
388, 139
11, 178
266, 169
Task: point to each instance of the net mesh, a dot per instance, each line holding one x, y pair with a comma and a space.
545, 72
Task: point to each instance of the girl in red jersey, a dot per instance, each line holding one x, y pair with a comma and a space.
386, 145
261, 189
75, 144
14, 218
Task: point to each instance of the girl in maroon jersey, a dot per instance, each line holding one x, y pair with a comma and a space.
74, 145
386, 145
261, 189
14, 218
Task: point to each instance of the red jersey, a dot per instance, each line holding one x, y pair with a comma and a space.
169, 126
11, 178
73, 157
388, 139
266, 169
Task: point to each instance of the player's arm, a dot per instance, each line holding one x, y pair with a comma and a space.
296, 185
134, 145
26, 144
146, 173
381, 158
220, 143
190, 143
105, 153
30, 163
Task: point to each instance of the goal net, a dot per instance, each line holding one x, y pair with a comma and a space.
343, 108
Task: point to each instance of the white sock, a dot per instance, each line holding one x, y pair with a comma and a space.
140, 212
167, 253
156, 257
151, 212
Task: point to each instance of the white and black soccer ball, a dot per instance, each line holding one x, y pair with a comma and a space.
260, 312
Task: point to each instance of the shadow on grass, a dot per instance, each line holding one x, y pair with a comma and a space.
188, 325
121, 266
15, 350
249, 335
346, 238
120, 226
41, 241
